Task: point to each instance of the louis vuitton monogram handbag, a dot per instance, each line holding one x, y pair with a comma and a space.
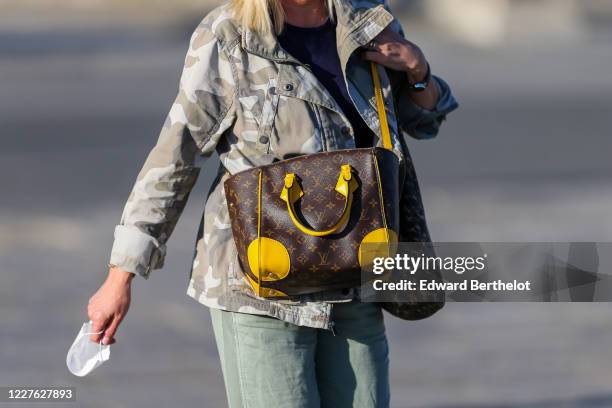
300, 225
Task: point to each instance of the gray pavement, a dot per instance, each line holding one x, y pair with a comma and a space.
526, 158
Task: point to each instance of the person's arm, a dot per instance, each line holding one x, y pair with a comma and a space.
419, 114
199, 116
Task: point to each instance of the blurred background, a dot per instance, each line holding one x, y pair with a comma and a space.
85, 87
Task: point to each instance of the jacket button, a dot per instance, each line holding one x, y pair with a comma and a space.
345, 130
264, 139
288, 87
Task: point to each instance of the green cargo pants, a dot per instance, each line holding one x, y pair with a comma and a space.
268, 363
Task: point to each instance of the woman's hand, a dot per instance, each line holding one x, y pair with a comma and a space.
395, 52
109, 305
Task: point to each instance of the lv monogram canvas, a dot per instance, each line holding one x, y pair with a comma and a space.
299, 224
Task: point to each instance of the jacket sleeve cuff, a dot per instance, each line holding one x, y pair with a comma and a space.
136, 252
422, 123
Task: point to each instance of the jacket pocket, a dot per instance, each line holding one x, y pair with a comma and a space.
297, 128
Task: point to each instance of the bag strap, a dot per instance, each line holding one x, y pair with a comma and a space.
380, 106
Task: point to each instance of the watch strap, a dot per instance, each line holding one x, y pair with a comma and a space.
420, 86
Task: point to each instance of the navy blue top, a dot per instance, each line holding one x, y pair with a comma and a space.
316, 47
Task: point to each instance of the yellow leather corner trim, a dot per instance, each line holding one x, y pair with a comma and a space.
272, 293
264, 292
380, 106
253, 283
292, 192
268, 259
381, 242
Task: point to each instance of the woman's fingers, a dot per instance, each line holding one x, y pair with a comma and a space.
98, 326
109, 333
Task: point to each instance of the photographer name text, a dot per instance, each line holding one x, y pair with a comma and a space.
464, 285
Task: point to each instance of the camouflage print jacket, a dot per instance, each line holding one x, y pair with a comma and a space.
242, 95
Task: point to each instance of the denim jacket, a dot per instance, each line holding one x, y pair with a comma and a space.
242, 95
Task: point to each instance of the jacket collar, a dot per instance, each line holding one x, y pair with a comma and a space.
358, 22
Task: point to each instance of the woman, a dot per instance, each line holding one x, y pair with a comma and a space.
266, 80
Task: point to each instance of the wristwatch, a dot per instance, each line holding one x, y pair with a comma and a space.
422, 85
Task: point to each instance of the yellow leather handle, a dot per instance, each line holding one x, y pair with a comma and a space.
292, 192
380, 106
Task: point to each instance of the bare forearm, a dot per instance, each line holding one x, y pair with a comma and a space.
118, 275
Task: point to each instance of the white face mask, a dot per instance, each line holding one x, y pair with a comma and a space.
85, 355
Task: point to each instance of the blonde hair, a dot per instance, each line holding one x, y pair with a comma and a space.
263, 16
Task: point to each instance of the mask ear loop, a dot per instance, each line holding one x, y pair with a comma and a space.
99, 344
